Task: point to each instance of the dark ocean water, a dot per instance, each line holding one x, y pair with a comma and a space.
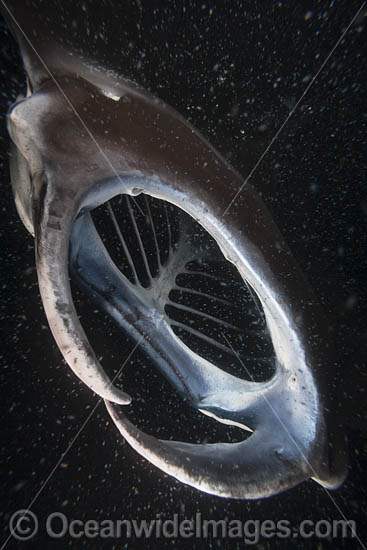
235, 73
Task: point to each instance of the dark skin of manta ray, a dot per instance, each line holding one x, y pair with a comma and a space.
256, 233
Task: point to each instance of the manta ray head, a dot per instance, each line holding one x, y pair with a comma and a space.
198, 279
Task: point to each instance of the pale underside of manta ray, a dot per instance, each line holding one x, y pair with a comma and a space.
198, 289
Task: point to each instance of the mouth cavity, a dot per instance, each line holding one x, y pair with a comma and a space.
175, 271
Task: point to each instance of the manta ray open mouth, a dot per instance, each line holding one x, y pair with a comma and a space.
216, 301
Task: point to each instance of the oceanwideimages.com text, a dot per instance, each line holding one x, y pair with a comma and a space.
25, 525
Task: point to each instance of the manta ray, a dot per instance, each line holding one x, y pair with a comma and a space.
197, 272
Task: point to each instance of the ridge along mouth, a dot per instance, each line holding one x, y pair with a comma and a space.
174, 270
